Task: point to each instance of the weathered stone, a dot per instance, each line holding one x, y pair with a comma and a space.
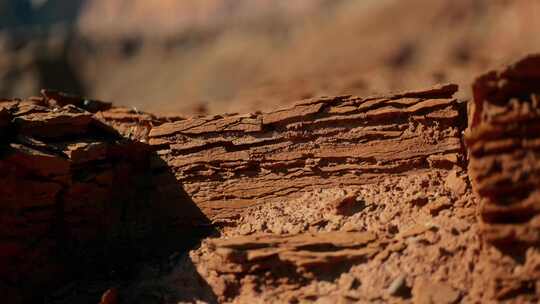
68, 180
236, 161
110, 296
503, 141
60, 122
438, 205
305, 252
455, 183
427, 292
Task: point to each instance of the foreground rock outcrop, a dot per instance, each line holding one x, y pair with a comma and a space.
69, 180
336, 199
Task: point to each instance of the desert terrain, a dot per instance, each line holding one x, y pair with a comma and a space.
269, 152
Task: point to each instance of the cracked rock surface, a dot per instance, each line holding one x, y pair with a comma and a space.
413, 197
504, 144
227, 163
73, 191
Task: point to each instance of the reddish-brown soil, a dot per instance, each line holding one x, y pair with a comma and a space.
412, 197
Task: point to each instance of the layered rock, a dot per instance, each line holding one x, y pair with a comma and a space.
229, 162
357, 244
67, 180
301, 252
368, 195
504, 143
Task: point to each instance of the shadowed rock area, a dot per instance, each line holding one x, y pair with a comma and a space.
78, 198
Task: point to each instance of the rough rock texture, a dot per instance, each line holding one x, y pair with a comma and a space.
392, 249
67, 179
504, 142
333, 200
410, 237
303, 250
229, 162
129, 122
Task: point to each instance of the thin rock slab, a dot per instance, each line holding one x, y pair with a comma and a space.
306, 252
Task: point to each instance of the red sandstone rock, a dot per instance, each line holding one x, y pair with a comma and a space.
227, 163
66, 179
503, 143
427, 292
110, 297
5, 118
315, 196
348, 205
129, 122
306, 252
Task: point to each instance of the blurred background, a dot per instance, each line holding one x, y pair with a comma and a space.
213, 56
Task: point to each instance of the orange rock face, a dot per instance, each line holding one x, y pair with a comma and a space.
230, 162
505, 161
334, 199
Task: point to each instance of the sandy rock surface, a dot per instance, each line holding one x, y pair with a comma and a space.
411, 197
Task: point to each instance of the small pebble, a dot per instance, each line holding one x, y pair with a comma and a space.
399, 288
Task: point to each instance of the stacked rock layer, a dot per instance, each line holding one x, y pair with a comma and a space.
67, 179
229, 162
504, 146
